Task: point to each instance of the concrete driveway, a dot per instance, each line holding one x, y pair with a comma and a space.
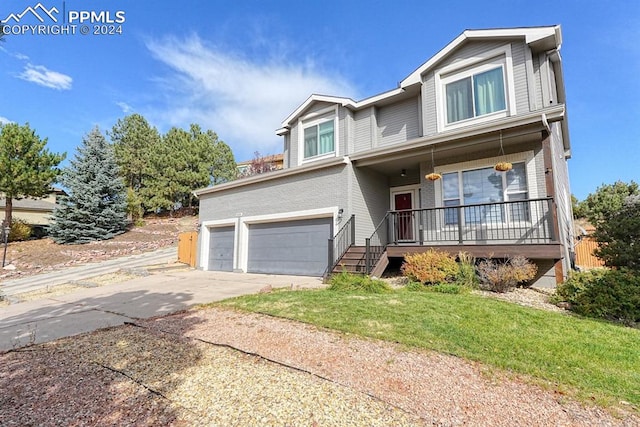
158, 294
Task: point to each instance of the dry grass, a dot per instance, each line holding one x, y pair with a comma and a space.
48, 292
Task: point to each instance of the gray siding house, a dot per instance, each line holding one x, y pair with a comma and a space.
412, 169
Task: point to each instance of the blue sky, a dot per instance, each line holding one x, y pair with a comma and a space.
239, 68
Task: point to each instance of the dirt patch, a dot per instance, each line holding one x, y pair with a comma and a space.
44, 255
48, 292
110, 279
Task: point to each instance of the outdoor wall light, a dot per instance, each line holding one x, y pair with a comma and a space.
340, 212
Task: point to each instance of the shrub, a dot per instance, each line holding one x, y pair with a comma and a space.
20, 230
467, 271
575, 284
503, 277
347, 282
606, 294
618, 236
431, 267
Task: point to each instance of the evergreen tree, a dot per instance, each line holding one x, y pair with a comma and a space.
607, 200
135, 142
27, 168
163, 185
619, 236
223, 167
183, 162
96, 206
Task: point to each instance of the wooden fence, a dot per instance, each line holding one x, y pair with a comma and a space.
584, 253
187, 247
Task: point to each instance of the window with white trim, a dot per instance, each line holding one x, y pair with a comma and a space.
319, 138
484, 187
476, 95
476, 89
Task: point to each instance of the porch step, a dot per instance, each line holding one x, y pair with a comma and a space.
353, 261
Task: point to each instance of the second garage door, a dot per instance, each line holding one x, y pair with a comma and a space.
221, 249
289, 247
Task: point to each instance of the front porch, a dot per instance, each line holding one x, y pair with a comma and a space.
486, 230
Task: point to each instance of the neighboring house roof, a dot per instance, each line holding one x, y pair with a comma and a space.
273, 158
280, 173
29, 204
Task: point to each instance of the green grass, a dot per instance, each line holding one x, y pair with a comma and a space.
587, 359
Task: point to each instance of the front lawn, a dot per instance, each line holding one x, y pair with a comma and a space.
587, 359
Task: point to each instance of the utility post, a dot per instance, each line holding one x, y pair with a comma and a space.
4, 233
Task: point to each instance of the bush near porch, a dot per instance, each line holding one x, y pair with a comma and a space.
612, 295
437, 268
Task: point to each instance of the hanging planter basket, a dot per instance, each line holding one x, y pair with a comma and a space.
503, 166
433, 176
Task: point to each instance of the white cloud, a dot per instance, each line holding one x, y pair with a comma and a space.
42, 76
18, 55
4, 120
21, 56
243, 100
126, 108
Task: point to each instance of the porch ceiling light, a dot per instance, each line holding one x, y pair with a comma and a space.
433, 176
403, 172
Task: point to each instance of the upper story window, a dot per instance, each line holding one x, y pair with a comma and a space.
319, 139
318, 135
476, 95
476, 89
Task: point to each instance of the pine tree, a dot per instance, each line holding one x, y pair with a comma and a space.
96, 206
135, 141
27, 168
183, 162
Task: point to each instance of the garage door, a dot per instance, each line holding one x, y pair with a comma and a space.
221, 249
291, 247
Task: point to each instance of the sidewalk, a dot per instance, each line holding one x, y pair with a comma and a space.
39, 281
158, 294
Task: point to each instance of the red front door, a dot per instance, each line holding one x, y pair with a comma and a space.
404, 220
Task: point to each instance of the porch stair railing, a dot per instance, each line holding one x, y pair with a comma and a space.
375, 248
340, 244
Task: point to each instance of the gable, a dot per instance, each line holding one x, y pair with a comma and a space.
539, 38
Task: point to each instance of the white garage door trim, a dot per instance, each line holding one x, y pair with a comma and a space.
205, 238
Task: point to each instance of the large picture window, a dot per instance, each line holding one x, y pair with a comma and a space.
477, 95
319, 139
486, 187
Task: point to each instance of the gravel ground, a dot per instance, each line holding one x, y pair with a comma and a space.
220, 367
440, 389
526, 297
